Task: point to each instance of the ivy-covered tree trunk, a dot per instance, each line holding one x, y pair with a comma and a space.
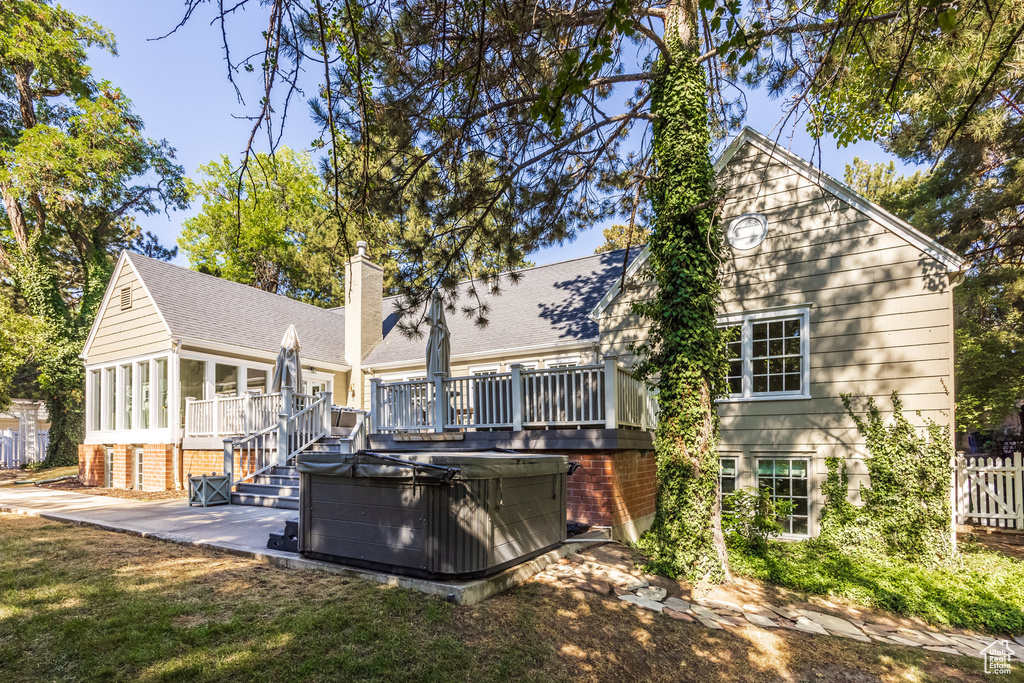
687, 353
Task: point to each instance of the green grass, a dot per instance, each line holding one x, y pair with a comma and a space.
983, 591
81, 604
49, 473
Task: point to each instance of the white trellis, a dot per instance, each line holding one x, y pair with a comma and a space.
989, 491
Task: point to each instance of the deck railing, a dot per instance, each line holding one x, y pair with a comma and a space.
603, 395
249, 413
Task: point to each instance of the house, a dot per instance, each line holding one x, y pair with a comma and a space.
831, 294
24, 432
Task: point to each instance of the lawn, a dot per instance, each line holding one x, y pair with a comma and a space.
30, 475
984, 591
78, 603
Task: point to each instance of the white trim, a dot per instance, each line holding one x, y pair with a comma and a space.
499, 353
954, 264
952, 261
564, 361
484, 368
214, 347
802, 312
122, 258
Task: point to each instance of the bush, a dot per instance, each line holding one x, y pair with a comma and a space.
750, 518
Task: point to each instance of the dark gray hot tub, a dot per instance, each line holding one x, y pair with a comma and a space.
431, 514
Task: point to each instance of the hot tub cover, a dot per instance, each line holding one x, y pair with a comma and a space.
439, 465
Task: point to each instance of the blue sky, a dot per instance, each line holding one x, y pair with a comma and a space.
180, 88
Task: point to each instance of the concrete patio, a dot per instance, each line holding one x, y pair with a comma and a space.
241, 530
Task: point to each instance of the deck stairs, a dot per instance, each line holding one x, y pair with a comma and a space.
279, 486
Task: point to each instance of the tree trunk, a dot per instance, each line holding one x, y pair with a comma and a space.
688, 353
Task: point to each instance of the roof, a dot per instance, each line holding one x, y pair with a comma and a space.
547, 307
952, 262
198, 307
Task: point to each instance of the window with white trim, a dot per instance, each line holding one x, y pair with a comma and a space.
788, 480
768, 353
138, 469
108, 467
727, 475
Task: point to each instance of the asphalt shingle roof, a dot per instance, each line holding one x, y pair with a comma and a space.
550, 305
204, 307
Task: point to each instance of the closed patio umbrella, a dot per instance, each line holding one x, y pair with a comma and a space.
287, 369
439, 345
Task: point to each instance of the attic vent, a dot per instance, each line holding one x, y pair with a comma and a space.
126, 298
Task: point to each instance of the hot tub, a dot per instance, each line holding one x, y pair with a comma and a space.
431, 514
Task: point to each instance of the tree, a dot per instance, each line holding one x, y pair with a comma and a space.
620, 236
524, 92
19, 340
276, 231
74, 167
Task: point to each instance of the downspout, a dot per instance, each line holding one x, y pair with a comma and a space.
954, 280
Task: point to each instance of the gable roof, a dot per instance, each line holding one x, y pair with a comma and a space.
198, 308
549, 306
896, 225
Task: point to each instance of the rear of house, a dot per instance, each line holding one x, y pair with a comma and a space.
830, 294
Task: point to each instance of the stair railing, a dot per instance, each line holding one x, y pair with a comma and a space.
299, 424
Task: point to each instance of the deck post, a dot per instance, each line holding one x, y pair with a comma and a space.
374, 407
440, 403
229, 459
283, 436
326, 395
610, 365
189, 417
216, 415
517, 396
247, 414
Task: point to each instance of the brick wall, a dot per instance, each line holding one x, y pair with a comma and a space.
123, 461
90, 464
211, 462
612, 488
157, 467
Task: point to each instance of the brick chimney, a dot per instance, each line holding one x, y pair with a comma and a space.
364, 316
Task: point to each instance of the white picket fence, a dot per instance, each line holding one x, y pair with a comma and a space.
990, 490
10, 448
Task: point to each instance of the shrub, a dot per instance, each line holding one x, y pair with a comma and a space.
750, 518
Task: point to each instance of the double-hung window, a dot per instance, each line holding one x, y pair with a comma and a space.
768, 353
788, 480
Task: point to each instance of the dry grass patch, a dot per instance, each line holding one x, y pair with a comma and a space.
78, 603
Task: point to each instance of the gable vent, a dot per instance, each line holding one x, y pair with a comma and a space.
126, 298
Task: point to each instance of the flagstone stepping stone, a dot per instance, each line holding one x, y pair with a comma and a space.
854, 636
758, 620
730, 620
808, 626
636, 584
832, 623
652, 593
787, 612
917, 636
677, 605
719, 604
676, 614
945, 650
903, 641
710, 623
652, 605
759, 610
1019, 640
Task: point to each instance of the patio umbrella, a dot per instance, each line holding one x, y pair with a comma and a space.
287, 369
439, 345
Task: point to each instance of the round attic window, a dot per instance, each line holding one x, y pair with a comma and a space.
747, 231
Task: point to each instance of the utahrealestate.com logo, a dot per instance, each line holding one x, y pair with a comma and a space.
998, 656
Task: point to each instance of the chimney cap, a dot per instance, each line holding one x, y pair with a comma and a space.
361, 247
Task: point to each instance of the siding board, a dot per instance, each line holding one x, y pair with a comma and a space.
136, 331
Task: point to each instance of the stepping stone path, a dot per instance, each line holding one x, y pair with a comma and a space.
631, 586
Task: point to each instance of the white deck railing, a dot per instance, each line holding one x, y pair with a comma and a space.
603, 395
252, 412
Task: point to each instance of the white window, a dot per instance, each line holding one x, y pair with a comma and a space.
727, 475
788, 480
108, 468
145, 396
568, 362
138, 469
768, 354
127, 385
161, 393
95, 400
110, 413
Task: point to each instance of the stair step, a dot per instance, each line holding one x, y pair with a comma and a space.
269, 490
274, 480
283, 471
282, 502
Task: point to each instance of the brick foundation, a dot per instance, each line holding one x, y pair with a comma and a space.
121, 477
614, 489
212, 462
157, 467
90, 464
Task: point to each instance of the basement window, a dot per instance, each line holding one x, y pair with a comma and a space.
126, 298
